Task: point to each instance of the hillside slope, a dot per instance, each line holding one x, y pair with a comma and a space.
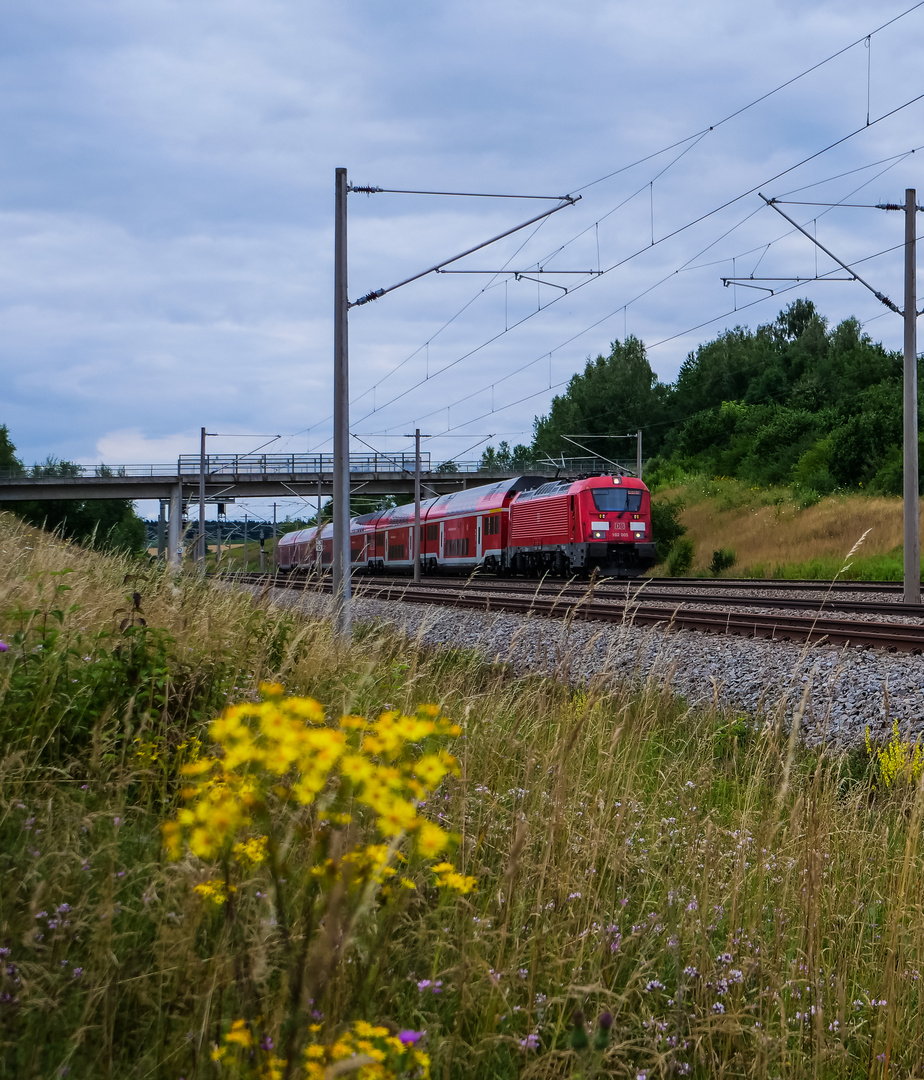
772, 535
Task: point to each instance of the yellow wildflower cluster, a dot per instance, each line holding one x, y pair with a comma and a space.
281, 748
251, 851
377, 1055
899, 761
216, 892
448, 878
239, 1057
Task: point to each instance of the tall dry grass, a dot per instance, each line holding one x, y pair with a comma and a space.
768, 529
739, 907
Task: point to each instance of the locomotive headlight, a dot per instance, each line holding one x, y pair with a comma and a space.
637, 526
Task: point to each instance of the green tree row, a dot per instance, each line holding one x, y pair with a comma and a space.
793, 402
110, 524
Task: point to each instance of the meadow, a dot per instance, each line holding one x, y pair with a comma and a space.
233, 846
774, 534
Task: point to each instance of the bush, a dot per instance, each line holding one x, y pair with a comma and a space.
681, 557
723, 559
665, 525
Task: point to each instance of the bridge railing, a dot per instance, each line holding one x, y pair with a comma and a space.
66, 470
268, 464
188, 465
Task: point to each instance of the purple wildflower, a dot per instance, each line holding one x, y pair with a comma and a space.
410, 1038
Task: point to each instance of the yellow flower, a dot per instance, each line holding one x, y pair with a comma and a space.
457, 882
202, 843
353, 723
355, 767
213, 891
396, 817
305, 709
171, 832
431, 768
239, 1034
431, 839
197, 768
252, 850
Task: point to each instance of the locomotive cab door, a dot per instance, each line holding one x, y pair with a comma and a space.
442, 540
478, 522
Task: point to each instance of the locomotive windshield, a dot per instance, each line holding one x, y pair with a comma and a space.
610, 500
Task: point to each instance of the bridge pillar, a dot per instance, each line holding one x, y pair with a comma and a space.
161, 530
175, 527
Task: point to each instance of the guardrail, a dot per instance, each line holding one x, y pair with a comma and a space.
314, 464
68, 470
267, 464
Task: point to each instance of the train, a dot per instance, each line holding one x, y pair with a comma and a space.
526, 525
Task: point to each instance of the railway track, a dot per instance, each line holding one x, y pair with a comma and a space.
771, 584
633, 605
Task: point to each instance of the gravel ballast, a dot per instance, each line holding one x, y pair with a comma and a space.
844, 689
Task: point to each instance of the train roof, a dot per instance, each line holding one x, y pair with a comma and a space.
569, 487
488, 497
297, 536
359, 524
484, 498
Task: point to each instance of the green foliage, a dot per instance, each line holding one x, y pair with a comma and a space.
723, 559
733, 736
8, 459
519, 459
793, 402
665, 524
65, 686
681, 557
108, 524
614, 394
899, 763
813, 469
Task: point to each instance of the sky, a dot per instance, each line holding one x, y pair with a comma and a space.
167, 205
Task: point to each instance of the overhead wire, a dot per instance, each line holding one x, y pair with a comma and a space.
763, 97
692, 140
652, 345
894, 160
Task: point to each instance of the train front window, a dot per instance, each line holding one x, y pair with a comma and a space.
612, 500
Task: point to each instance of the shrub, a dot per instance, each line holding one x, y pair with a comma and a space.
665, 525
899, 762
723, 559
681, 557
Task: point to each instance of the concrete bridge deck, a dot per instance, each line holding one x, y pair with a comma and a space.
306, 476
243, 475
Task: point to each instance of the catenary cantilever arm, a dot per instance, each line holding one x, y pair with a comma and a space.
569, 201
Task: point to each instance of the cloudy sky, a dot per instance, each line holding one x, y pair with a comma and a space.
167, 196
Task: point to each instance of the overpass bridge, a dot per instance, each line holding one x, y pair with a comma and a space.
231, 476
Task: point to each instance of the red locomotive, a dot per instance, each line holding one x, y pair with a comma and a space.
524, 525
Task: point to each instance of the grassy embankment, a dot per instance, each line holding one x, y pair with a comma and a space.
772, 535
234, 559
738, 907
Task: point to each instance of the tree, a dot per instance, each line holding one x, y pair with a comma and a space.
505, 459
614, 395
110, 524
8, 459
